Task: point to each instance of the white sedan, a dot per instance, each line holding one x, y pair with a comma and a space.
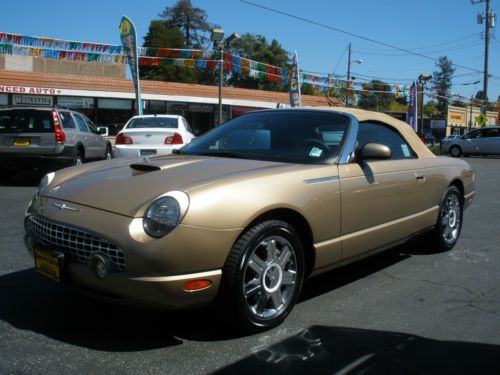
152, 134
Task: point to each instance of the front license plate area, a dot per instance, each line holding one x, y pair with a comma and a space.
49, 264
21, 142
147, 152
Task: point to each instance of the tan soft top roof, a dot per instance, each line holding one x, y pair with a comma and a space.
416, 144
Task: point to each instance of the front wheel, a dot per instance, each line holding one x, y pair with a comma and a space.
447, 230
455, 151
263, 275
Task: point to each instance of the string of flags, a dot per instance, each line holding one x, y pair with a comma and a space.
50, 48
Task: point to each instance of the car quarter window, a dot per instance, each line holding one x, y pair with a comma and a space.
375, 132
67, 120
80, 122
188, 128
494, 132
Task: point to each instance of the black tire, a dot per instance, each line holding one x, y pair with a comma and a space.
78, 159
447, 230
108, 154
262, 276
455, 151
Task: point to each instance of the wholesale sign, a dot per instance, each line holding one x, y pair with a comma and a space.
128, 37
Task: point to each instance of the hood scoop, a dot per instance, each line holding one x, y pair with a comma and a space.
145, 166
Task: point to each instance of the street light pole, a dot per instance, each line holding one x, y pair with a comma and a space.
422, 78
221, 77
219, 43
358, 61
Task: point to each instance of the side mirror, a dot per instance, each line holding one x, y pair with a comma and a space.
374, 151
103, 130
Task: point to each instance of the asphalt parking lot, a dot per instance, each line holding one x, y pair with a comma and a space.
408, 310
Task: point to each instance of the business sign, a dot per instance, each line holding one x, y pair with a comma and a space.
29, 90
30, 100
75, 102
128, 36
295, 97
201, 108
411, 117
438, 124
456, 118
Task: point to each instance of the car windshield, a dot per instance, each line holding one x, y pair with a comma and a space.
152, 122
289, 136
26, 121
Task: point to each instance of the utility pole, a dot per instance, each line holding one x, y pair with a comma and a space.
348, 77
489, 22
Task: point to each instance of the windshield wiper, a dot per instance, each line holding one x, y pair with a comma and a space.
177, 151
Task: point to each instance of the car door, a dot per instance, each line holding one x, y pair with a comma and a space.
475, 142
99, 143
492, 136
381, 200
87, 138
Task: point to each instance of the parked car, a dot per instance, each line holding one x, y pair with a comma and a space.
483, 141
48, 138
248, 211
152, 134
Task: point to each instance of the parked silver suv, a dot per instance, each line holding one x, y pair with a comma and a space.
483, 141
49, 138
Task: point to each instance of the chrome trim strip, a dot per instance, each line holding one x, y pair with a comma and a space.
189, 276
321, 179
63, 206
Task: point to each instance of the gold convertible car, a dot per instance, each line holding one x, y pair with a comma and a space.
244, 214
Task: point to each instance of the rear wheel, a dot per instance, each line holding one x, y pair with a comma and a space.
447, 230
78, 158
108, 154
263, 276
455, 151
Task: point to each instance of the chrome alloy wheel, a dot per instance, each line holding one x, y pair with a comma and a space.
451, 218
270, 277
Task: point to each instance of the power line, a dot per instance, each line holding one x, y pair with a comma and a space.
430, 46
351, 34
454, 48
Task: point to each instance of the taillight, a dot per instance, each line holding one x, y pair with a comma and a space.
123, 140
60, 135
175, 139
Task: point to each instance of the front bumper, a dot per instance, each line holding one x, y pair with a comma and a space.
155, 271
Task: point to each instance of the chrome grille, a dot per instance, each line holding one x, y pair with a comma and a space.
75, 243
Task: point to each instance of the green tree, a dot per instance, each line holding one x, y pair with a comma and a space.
161, 36
431, 109
192, 21
441, 83
375, 95
256, 47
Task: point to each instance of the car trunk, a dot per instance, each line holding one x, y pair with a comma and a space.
27, 131
149, 136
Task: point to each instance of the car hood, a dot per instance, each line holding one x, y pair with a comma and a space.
125, 187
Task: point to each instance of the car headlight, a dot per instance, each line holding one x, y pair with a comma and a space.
165, 213
46, 180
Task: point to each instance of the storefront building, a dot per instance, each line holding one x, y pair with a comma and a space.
463, 119
110, 102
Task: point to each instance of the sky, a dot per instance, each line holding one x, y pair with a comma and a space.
432, 28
